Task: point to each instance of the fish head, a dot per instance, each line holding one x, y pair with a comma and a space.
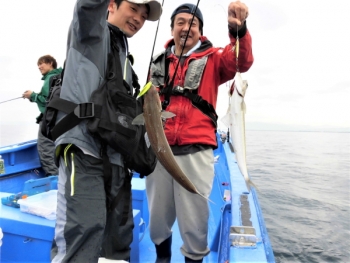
151, 101
152, 96
240, 84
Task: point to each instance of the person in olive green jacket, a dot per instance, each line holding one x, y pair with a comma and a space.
46, 148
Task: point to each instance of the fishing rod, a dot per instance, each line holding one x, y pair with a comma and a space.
11, 99
165, 103
183, 46
154, 43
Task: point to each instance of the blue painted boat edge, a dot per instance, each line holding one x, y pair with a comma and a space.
20, 157
17, 146
263, 251
264, 235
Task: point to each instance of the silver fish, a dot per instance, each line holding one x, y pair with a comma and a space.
235, 120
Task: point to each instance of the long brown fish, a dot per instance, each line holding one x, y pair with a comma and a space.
152, 117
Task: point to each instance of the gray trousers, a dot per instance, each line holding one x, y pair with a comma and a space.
168, 200
84, 229
46, 150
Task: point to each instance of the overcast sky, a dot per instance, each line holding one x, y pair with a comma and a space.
300, 76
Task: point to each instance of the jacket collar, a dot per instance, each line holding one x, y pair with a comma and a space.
119, 35
201, 50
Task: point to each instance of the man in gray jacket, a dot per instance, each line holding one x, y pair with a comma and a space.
85, 229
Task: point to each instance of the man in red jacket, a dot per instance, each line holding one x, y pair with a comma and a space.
188, 73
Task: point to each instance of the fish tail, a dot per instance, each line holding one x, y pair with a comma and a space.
249, 184
205, 198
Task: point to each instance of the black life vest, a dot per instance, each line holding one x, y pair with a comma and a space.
110, 112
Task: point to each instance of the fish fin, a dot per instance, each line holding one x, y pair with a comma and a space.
167, 114
139, 120
226, 119
244, 87
245, 84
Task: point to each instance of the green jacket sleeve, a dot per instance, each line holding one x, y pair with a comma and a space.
40, 98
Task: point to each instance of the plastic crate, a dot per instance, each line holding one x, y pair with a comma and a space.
31, 187
43, 204
37, 186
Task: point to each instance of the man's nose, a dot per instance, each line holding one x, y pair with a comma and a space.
186, 27
137, 18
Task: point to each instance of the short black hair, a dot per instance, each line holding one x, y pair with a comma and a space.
186, 7
118, 2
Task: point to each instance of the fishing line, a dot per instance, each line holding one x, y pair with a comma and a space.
166, 101
154, 44
11, 99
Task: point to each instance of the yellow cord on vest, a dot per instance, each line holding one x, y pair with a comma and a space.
72, 176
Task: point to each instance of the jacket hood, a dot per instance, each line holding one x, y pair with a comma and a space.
52, 72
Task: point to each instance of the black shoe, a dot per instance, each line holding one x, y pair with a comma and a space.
190, 260
164, 251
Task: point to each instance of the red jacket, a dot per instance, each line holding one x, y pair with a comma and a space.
190, 125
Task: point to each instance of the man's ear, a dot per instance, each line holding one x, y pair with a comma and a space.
110, 9
110, 6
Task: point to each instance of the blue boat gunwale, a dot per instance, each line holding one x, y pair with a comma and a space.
17, 147
19, 158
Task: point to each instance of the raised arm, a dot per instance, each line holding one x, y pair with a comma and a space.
90, 19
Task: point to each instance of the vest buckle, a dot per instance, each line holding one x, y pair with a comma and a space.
85, 110
178, 89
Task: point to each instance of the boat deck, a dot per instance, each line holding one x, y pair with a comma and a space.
148, 252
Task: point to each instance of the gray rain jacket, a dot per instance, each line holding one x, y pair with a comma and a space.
86, 63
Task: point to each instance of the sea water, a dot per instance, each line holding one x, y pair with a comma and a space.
304, 185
